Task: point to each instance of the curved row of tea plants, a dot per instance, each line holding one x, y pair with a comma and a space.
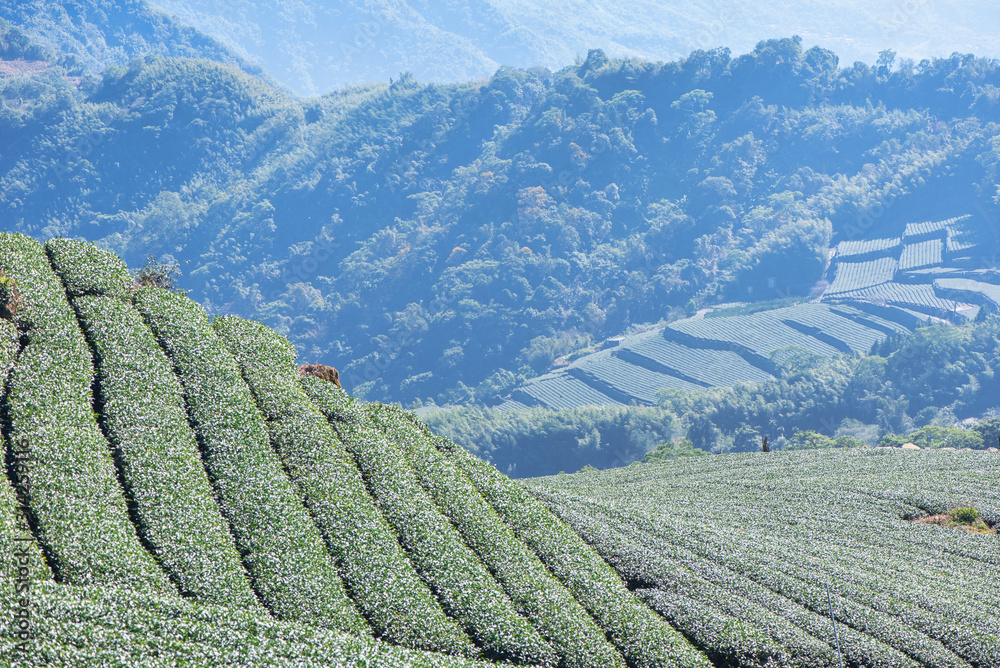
79, 513
113, 627
777, 529
334, 486
143, 416
385, 585
282, 551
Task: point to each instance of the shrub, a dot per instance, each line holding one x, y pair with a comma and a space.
13, 528
933, 436
385, 586
265, 359
86, 269
80, 514
9, 347
964, 515
282, 549
156, 274
144, 419
559, 618
670, 450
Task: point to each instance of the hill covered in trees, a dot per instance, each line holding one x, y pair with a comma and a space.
445, 243
96, 34
222, 509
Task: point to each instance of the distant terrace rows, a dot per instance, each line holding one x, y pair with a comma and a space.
935, 270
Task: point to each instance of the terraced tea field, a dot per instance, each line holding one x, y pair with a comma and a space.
737, 551
698, 353
930, 271
901, 271
177, 495
182, 497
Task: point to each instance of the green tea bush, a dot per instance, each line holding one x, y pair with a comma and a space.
145, 420
728, 640
86, 269
267, 362
903, 593
9, 347
381, 578
735, 629
456, 574
80, 513
282, 549
13, 525
113, 627
643, 637
536, 594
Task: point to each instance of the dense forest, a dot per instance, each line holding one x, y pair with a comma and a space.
915, 388
441, 243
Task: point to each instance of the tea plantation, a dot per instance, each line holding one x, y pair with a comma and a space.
176, 495
932, 271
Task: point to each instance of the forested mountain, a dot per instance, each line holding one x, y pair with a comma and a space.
315, 46
97, 34
444, 242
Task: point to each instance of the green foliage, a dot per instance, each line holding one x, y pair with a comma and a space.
156, 274
957, 370
386, 587
267, 363
934, 436
13, 525
282, 550
536, 594
9, 348
461, 581
809, 440
989, 430
115, 626
86, 269
144, 418
80, 514
640, 634
731, 553
671, 450
101, 34
964, 514
536, 441
738, 551
573, 224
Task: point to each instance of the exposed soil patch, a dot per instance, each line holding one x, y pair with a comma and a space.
947, 520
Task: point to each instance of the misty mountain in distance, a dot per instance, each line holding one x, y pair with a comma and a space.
315, 46
96, 34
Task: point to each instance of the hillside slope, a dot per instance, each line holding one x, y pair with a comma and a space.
444, 243
739, 551
177, 495
206, 473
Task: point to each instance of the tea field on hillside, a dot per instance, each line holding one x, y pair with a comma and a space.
737, 551
177, 494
